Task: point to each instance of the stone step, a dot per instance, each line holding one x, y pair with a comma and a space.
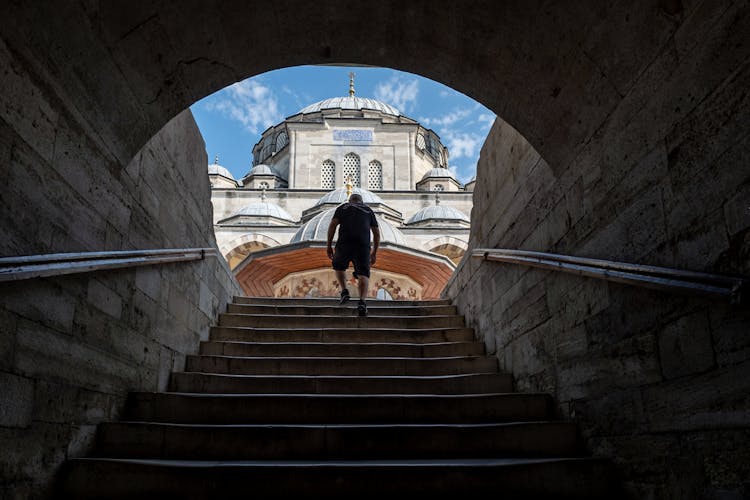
340, 365
476, 383
334, 301
559, 478
401, 322
330, 349
342, 335
189, 408
349, 309
335, 442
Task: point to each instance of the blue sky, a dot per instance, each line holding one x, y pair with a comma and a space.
232, 119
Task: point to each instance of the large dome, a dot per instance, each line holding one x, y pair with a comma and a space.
216, 169
339, 196
438, 212
438, 172
316, 229
351, 102
263, 209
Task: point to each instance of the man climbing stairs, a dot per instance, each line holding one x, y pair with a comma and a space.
303, 398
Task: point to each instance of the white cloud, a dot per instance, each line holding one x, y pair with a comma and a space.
463, 145
446, 120
399, 92
249, 102
486, 119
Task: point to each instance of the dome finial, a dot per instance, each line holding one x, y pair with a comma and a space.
437, 198
349, 186
216, 160
351, 83
263, 195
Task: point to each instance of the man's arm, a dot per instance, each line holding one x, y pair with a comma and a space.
329, 242
375, 243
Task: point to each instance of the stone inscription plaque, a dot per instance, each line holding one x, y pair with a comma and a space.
352, 135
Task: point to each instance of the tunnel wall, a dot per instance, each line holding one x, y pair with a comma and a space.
656, 380
71, 347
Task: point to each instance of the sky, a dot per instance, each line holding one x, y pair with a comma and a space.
232, 119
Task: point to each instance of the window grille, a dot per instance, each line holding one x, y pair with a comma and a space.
263, 185
351, 168
328, 175
281, 140
438, 187
375, 175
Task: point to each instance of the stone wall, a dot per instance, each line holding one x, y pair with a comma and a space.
657, 381
71, 347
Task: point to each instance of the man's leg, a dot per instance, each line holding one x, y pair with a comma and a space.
341, 276
362, 282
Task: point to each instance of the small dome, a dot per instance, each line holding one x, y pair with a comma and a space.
262, 169
339, 196
216, 169
316, 229
351, 102
263, 209
438, 212
439, 172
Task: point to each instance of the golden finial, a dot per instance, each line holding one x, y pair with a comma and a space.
349, 186
437, 198
263, 195
351, 83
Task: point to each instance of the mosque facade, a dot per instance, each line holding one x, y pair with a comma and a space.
305, 166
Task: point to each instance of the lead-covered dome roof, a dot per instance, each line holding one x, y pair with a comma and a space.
316, 229
339, 196
351, 102
439, 172
216, 169
263, 209
262, 169
438, 212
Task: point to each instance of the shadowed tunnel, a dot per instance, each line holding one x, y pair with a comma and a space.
622, 134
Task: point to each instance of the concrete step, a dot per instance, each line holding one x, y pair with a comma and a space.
401, 322
558, 478
335, 442
189, 408
334, 302
330, 349
349, 309
342, 335
475, 383
340, 365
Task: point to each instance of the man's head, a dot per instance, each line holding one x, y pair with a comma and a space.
355, 198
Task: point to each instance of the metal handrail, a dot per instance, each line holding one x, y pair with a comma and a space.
654, 277
58, 264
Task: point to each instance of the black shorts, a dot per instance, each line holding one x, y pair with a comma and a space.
358, 254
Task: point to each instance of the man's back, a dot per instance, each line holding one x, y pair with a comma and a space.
355, 220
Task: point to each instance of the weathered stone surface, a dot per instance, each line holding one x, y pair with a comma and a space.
16, 400
685, 346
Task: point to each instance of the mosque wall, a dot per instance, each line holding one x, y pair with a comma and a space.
657, 380
71, 347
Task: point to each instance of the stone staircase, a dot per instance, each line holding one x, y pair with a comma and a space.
302, 398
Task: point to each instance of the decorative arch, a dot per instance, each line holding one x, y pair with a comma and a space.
236, 250
328, 175
352, 168
449, 246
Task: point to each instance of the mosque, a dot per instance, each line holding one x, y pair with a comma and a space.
271, 224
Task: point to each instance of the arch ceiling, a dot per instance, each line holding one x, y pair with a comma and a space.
553, 70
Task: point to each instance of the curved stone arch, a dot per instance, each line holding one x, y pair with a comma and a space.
231, 246
445, 240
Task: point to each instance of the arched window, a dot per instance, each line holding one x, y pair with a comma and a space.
281, 140
375, 175
263, 185
421, 142
328, 175
351, 168
438, 187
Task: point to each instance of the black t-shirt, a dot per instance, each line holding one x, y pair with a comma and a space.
355, 220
